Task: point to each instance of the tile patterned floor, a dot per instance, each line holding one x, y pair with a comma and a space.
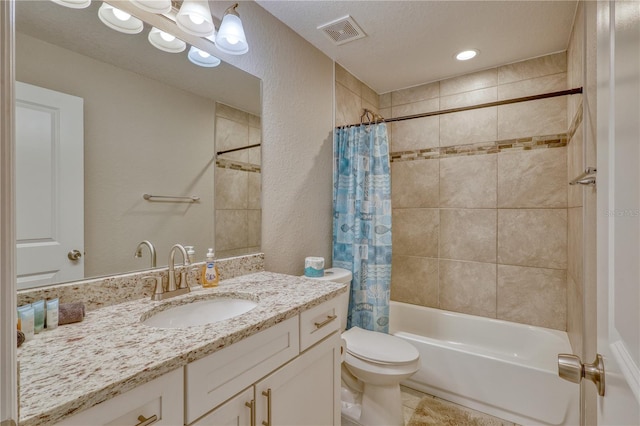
411, 398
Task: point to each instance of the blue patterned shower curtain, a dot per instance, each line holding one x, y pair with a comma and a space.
362, 221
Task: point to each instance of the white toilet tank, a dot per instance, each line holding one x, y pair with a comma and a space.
342, 276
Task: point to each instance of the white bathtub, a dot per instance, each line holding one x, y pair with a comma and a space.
501, 368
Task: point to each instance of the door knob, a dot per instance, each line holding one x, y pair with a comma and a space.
571, 368
74, 255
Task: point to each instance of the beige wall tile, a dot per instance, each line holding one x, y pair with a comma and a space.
385, 100
533, 118
467, 127
415, 183
574, 243
474, 97
414, 134
254, 190
348, 80
533, 296
369, 95
414, 280
468, 181
254, 228
231, 113
575, 312
468, 234
535, 237
533, 86
469, 82
418, 107
255, 121
535, 179
368, 105
348, 106
415, 94
415, 232
386, 113
231, 229
575, 166
231, 189
468, 287
532, 68
231, 134
255, 154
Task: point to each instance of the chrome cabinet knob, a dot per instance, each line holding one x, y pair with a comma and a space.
571, 368
74, 255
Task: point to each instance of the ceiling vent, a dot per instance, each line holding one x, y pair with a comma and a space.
342, 30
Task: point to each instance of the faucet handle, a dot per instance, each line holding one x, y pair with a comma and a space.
183, 280
159, 286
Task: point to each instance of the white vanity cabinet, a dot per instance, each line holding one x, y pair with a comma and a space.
303, 391
306, 391
158, 402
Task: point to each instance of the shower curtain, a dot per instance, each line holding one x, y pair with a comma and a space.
362, 221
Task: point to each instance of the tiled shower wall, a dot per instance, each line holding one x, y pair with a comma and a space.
238, 214
480, 198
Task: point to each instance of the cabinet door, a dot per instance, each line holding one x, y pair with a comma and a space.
305, 391
235, 412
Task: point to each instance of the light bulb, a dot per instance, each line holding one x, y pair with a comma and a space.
167, 37
233, 40
123, 16
196, 19
203, 54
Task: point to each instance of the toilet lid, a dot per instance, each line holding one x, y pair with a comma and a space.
379, 347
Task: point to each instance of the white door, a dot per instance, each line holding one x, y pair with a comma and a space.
619, 210
49, 186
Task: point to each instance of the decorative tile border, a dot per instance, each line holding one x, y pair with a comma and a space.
520, 144
237, 165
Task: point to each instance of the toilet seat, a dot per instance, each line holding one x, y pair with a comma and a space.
379, 348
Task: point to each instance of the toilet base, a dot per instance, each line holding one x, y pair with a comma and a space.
382, 405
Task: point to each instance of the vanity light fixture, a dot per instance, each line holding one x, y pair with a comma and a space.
230, 38
119, 20
194, 17
153, 6
202, 58
165, 41
73, 4
465, 55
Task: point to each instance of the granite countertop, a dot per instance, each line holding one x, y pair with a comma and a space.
74, 367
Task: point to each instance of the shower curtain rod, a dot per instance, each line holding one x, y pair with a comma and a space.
237, 149
468, 108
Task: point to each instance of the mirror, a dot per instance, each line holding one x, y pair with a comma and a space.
150, 122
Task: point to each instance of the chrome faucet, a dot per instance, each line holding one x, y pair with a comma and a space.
152, 251
172, 275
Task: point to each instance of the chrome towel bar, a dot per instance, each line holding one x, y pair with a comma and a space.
171, 198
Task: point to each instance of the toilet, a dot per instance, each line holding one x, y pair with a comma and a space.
373, 367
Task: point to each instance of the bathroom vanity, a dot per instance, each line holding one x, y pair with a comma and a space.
279, 363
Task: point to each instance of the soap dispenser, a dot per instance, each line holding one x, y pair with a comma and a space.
210, 275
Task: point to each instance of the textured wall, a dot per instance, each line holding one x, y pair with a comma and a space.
297, 137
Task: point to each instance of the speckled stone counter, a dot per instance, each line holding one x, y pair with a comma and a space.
74, 367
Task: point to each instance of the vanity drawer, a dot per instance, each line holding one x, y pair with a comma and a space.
319, 322
162, 398
212, 380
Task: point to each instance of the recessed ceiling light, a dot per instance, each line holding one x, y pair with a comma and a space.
465, 55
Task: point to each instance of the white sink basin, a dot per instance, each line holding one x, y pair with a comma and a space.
200, 312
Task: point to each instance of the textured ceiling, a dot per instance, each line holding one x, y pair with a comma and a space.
413, 42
